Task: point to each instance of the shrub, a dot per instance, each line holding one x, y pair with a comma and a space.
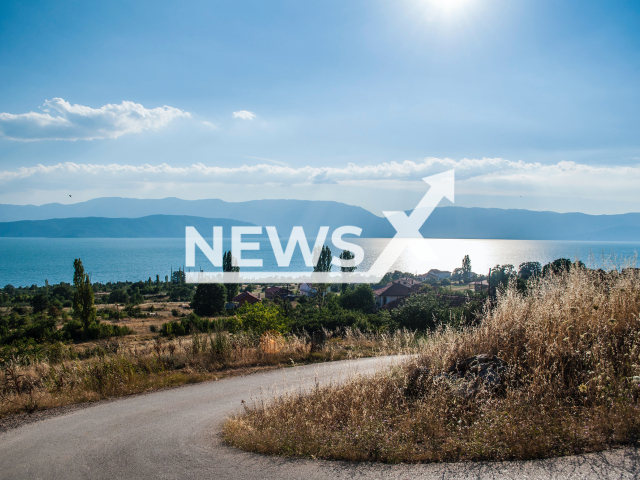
422, 312
359, 298
260, 318
209, 299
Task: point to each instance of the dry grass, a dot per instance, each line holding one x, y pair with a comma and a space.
572, 385
117, 368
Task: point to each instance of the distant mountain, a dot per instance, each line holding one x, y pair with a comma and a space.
167, 217
153, 226
282, 214
458, 222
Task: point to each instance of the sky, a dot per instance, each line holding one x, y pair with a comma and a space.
534, 103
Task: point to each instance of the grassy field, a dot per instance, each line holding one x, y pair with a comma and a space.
138, 363
570, 346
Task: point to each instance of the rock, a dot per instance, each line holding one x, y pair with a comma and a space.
483, 368
465, 377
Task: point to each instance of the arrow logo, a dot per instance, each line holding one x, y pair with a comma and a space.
407, 236
408, 226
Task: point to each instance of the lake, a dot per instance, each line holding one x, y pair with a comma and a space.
27, 261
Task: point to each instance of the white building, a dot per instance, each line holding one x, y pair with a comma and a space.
434, 274
307, 290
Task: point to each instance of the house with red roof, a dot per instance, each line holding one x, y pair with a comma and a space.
392, 292
245, 297
273, 292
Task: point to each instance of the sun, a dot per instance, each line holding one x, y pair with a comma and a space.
447, 8
449, 5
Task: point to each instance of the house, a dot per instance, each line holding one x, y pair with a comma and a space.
307, 290
480, 285
407, 281
273, 292
245, 297
434, 274
393, 291
393, 304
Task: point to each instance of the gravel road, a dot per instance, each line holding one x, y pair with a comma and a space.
175, 434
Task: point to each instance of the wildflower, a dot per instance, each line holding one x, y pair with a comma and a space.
582, 388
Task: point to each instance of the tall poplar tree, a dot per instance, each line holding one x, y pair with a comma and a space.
323, 265
227, 266
466, 269
83, 307
347, 255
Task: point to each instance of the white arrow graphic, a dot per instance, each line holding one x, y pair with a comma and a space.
408, 227
407, 236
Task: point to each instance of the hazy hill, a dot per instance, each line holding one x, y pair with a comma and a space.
445, 222
458, 222
282, 214
154, 226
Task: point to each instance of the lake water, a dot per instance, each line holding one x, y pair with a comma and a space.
27, 261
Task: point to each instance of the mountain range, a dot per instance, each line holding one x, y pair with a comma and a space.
126, 217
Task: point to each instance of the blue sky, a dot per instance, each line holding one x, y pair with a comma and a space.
534, 103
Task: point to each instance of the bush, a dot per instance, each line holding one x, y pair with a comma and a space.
209, 299
260, 318
421, 312
118, 296
359, 298
195, 324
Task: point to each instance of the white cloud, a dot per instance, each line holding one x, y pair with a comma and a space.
244, 115
209, 125
399, 184
78, 122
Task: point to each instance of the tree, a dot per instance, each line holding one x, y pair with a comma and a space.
557, 266
227, 266
324, 260
359, 298
323, 265
528, 270
83, 307
466, 269
209, 299
178, 277
136, 297
118, 296
457, 274
347, 255
421, 312
500, 276
40, 302
260, 318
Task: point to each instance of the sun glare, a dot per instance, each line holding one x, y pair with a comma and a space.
446, 8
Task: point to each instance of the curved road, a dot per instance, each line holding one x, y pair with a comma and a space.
174, 434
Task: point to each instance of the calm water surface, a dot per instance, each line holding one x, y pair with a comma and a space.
27, 261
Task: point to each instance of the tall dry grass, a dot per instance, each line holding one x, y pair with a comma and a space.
571, 344
115, 368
